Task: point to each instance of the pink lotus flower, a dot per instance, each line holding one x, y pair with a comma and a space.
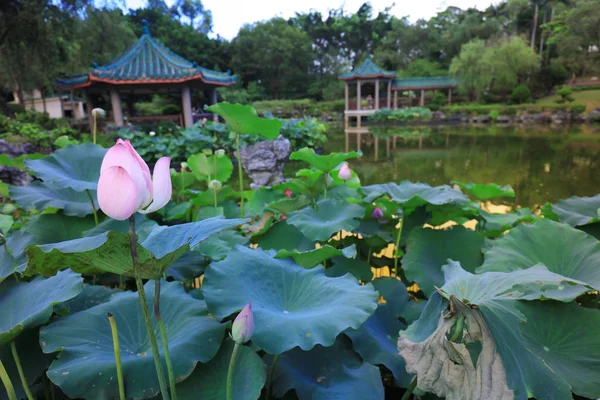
283, 218
377, 213
125, 185
345, 172
288, 193
243, 325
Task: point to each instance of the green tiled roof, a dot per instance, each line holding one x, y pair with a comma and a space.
368, 69
437, 82
149, 61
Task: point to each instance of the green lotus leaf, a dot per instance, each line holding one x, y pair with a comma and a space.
334, 372
358, 268
52, 228
6, 222
89, 297
109, 251
207, 198
219, 245
485, 192
577, 211
42, 195
188, 267
343, 192
376, 341
207, 168
86, 365
14, 260
283, 236
411, 195
208, 381
441, 214
286, 206
331, 216
33, 361
393, 291
177, 211
4, 189
324, 163
19, 162
263, 196
563, 249
427, 250
292, 306
549, 334
181, 180
312, 258
496, 224
244, 121
143, 227
74, 167
30, 304
64, 141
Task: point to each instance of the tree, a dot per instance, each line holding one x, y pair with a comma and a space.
472, 68
194, 9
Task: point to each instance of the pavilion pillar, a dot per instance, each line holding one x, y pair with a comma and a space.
115, 101
89, 105
422, 99
450, 96
186, 106
346, 95
377, 94
389, 94
213, 100
358, 83
395, 99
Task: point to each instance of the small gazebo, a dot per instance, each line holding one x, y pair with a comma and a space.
147, 67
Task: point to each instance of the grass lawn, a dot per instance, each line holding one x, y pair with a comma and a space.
591, 99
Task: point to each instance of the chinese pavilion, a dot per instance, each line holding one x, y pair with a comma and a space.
147, 67
371, 75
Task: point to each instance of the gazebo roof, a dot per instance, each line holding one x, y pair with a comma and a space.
368, 70
148, 62
436, 82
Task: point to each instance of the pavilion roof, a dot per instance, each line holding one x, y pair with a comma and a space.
368, 69
147, 62
436, 82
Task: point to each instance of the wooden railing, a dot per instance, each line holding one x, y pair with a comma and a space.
371, 106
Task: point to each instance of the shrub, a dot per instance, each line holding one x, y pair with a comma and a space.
521, 94
171, 109
514, 109
565, 94
437, 101
402, 114
494, 114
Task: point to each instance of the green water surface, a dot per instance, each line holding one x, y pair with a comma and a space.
542, 163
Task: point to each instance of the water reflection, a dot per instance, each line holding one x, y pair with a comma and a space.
541, 163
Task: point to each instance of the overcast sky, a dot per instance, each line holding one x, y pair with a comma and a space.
230, 15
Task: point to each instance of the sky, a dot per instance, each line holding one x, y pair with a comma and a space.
230, 15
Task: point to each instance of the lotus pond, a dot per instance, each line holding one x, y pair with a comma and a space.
334, 285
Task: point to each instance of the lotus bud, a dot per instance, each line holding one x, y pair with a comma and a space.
288, 193
152, 133
243, 325
126, 186
98, 113
345, 172
377, 213
220, 153
184, 166
204, 121
215, 185
283, 218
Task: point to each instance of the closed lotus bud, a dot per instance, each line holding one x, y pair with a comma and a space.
282, 218
204, 121
220, 153
288, 193
215, 185
184, 166
98, 113
243, 325
345, 172
152, 133
377, 213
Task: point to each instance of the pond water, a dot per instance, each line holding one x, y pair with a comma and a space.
541, 163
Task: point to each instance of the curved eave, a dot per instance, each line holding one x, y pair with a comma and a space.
96, 79
355, 77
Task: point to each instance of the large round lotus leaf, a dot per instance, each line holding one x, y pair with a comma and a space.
427, 250
331, 216
219, 245
42, 195
75, 167
292, 306
577, 211
30, 304
411, 195
52, 228
143, 226
244, 121
377, 342
563, 249
323, 163
210, 167
188, 267
33, 361
485, 192
565, 336
86, 366
15, 260
312, 258
283, 236
208, 381
89, 297
358, 268
327, 373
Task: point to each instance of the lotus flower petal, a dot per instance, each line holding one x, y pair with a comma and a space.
117, 193
162, 185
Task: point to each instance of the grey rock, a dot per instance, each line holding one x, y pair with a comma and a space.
264, 161
14, 176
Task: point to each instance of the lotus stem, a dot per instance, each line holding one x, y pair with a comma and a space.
240, 173
93, 206
15, 354
410, 389
236, 348
215, 197
145, 311
10, 389
115, 337
397, 248
94, 128
164, 339
270, 377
